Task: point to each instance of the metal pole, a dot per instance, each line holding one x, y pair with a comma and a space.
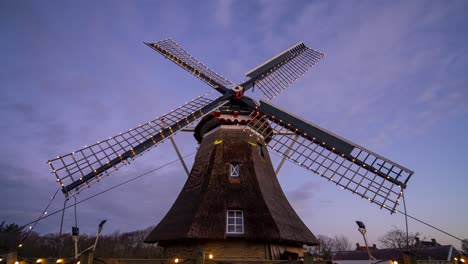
63, 213
363, 232
177, 151
75, 241
99, 233
406, 220
285, 154
180, 156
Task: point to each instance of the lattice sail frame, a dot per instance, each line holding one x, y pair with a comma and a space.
83, 167
275, 75
169, 49
361, 171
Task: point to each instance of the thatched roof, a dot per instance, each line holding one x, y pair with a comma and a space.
200, 209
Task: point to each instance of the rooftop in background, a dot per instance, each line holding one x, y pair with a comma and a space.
422, 252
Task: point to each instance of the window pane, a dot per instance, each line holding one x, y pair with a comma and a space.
239, 214
230, 213
230, 221
234, 167
238, 221
238, 229
230, 229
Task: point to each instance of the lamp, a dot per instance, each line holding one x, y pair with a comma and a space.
362, 230
361, 225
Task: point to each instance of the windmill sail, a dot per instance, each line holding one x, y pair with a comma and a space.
275, 75
81, 168
342, 162
169, 49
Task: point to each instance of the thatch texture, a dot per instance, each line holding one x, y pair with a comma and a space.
199, 213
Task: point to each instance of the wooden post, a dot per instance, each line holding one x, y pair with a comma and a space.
200, 258
409, 258
11, 257
87, 257
308, 259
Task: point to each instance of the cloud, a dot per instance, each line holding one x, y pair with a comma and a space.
223, 13
392, 71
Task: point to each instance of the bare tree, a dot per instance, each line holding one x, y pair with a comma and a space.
116, 245
341, 243
328, 246
324, 250
396, 238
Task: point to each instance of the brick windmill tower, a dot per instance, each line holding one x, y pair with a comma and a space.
232, 205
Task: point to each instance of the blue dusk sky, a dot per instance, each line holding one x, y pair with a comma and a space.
394, 80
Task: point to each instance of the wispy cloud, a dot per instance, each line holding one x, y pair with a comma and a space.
392, 70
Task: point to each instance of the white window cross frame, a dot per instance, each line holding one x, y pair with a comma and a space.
234, 170
235, 222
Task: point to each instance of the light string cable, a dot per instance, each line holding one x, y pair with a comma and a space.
41, 216
429, 225
403, 213
106, 190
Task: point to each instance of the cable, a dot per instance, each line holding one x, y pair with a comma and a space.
414, 218
429, 225
63, 214
43, 216
108, 189
76, 219
44, 212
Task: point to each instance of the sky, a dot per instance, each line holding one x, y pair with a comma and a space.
393, 80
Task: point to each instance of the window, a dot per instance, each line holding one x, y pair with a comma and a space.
234, 170
235, 222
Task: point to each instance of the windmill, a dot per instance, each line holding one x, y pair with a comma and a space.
232, 203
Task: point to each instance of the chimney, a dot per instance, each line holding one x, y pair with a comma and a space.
374, 246
434, 241
416, 239
357, 246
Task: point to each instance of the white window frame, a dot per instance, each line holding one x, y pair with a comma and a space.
234, 170
237, 214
